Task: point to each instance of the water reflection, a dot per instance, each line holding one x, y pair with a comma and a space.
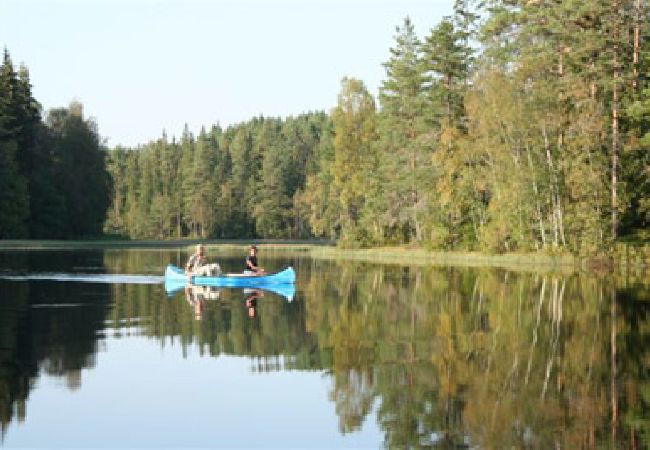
251, 296
197, 296
45, 330
442, 357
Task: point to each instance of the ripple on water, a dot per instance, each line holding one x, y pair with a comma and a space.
85, 278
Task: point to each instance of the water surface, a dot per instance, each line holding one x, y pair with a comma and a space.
93, 353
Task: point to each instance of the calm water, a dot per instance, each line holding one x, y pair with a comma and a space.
363, 356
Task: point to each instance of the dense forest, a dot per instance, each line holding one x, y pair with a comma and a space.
53, 177
511, 125
241, 182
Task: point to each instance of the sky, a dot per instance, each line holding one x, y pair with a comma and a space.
142, 66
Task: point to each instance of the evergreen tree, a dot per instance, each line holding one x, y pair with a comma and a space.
14, 195
446, 59
243, 182
405, 141
316, 204
14, 205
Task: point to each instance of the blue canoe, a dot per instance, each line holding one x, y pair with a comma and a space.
281, 283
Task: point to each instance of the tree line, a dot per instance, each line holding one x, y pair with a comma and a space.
513, 125
526, 130
237, 182
53, 177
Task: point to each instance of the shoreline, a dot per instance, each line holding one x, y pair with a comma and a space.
623, 257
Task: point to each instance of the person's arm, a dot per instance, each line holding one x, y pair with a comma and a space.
257, 269
189, 266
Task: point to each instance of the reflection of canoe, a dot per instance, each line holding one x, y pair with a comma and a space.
288, 291
282, 283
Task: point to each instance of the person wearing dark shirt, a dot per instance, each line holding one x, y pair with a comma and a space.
252, 267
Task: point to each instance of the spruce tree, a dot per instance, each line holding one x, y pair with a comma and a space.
14, 195
405, 143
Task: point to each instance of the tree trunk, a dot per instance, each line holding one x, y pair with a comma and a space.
615, 138
554, 197
538, 207
635, 55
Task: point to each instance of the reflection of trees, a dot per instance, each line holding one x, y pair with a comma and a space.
56, 341
17, 368
276, 335
634, 356
444, 357
486, 358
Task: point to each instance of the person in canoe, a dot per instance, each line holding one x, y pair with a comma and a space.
197, 264
252, 268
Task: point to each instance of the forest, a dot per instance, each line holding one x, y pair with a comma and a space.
511, 125
53, 177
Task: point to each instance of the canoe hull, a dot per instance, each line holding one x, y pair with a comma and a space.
286, 276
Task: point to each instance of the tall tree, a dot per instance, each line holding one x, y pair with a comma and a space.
446, 59
14, 204
405, 143
14, 194
354, 120
83, 177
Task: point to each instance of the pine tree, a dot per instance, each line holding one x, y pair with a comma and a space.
14, 204
405, 143
14, 195
446, 59
316, 204
243, 183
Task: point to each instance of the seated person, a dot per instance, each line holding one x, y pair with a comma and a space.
252, 268
198, 264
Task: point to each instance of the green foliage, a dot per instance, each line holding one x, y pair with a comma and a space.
513, 125
636, 161
233, 183
14, 195
14, 201
405, 141
53, 178
538, 142
354, 121
81, 170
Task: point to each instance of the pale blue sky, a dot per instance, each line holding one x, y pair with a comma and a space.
143, 66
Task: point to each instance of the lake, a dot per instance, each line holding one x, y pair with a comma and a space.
95, 353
